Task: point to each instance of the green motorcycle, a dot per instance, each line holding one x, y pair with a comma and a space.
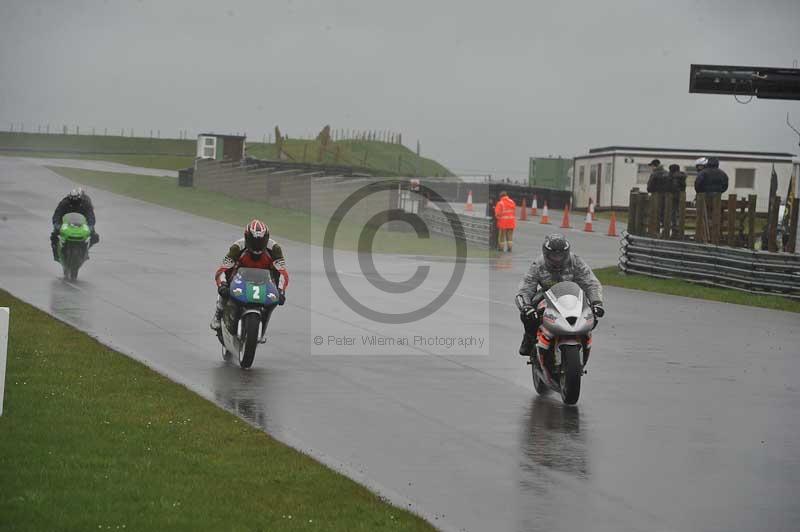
73, 244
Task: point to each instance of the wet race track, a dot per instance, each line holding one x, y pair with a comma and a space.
688, 418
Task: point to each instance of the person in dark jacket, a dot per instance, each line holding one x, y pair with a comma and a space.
76, 201
659, 179
711, 180
677, 181
659, 182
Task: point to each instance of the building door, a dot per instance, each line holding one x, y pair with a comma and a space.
599, 180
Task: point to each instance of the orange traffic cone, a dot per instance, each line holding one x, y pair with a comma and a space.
612, 226
587, 226
523, 212
545, 218
469, 207
591, 208
534, 206
565, 221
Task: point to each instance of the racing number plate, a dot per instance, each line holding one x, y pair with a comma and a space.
256, 293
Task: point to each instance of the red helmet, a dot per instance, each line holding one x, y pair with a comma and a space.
256, 236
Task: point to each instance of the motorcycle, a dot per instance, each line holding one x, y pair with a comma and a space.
73, 244
246, 314
563, 341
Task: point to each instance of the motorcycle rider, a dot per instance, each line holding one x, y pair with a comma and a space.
76, 201
556, 264
255, 250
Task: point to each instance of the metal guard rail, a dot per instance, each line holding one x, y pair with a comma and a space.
474, 229
750, 271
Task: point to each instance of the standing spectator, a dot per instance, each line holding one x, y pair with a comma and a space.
677, 181
505, 211
712, 182
659, 184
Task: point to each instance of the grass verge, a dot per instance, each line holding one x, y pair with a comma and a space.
161, 162
287, 223
676, 287
93, 440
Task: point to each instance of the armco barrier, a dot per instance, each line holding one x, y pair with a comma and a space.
474, 230
742, 269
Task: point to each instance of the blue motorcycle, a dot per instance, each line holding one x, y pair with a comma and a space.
246, 313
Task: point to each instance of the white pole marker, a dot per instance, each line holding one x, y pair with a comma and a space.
3, 352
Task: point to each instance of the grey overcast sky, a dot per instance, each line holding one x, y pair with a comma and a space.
483, 85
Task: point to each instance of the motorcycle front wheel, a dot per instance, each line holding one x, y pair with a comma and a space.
538, 383
247, 352
571, 372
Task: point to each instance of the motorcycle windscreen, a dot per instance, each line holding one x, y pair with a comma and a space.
74, 218
568, 298
254, 285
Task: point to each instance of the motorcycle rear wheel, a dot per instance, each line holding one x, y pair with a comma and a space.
250, 340
571, 372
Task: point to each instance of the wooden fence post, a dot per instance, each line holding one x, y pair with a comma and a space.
772, 238
680, 230
701, 229
652, 222
716, 218
751, 221
731, 220
632, 211
791, 247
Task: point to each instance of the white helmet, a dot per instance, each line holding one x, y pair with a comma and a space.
702, 161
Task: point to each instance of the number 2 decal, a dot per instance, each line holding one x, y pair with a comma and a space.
256, 292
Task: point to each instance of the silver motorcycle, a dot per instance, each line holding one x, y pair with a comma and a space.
563, 341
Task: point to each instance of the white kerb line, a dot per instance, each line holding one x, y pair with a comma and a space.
4, 313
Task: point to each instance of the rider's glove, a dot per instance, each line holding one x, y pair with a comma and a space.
598, 309
224, 290
281, 297
528, 311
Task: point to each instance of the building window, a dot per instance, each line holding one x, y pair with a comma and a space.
593, 174
581, 175
745, 178
608, 173
208, 153
643, 174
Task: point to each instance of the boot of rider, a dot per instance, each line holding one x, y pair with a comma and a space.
216, 321
54, 245
527, 346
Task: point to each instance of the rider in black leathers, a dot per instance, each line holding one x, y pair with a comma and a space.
76, 201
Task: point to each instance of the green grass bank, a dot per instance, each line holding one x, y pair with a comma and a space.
93, 440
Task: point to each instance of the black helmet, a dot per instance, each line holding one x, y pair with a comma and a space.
556, 251
256, 236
